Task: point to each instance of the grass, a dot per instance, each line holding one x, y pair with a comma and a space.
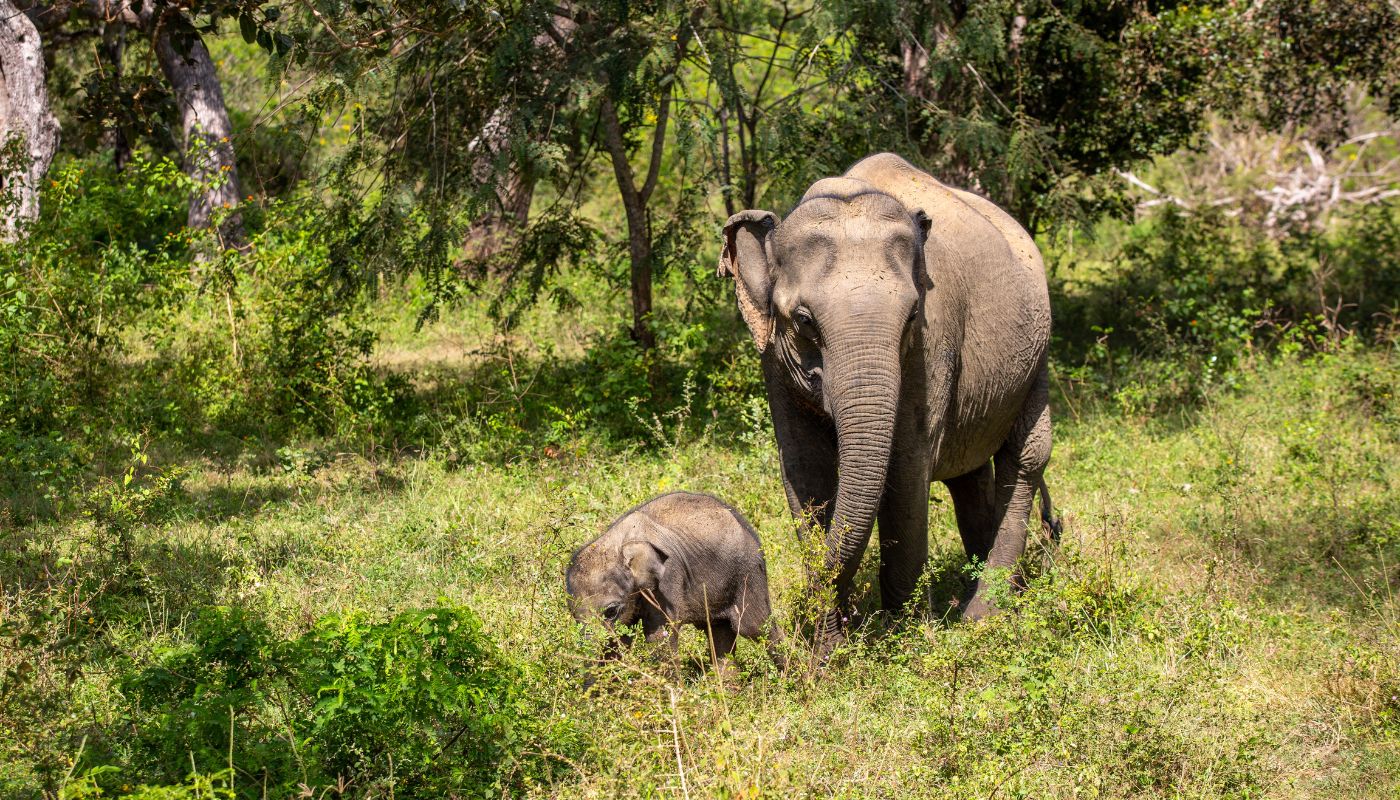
1219, 621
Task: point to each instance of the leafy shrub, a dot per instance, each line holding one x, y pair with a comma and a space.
66, 596
109, 326
108, 249
420, 706
307, 357
1186, 296
196, 787
268, 343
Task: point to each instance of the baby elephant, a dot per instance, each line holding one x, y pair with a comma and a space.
681, 558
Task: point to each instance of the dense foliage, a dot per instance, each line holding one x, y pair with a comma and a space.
421, 702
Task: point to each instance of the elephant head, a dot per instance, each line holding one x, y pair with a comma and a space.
607, 579
833, 295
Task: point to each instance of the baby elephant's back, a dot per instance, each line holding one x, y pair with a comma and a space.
720, 548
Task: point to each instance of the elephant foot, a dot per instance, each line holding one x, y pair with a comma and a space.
979, 605
976, 608
725, 671
830, 634
773, 640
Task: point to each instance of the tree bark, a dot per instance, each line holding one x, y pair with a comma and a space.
207, 131
514, 190
634, 198
634, 203
28, 128
205, 127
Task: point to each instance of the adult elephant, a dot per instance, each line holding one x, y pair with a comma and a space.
903, 327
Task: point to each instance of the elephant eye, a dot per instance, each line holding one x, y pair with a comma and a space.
805, 324
611, 611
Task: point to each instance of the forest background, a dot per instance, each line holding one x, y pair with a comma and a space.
329, 329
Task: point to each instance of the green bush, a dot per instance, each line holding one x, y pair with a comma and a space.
1185, 296
305, 366
88, 786
108, 249
420, 706
110, 327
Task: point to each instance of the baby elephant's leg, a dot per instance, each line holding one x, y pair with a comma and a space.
659, 629
775, 640
722, 637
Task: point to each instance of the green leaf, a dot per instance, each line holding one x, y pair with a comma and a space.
248, 28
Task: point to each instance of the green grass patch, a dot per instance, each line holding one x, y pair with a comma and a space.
1219, 621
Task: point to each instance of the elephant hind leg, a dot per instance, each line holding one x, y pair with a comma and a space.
1019, 467
974, 502
722, 638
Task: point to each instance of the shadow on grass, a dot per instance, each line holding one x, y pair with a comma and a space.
220, 503
1346, 559
71, 590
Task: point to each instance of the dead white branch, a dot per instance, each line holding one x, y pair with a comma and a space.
1285, 182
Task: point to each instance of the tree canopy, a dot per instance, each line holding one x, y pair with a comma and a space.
504, 139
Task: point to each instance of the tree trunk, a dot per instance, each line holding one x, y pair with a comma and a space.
28, 129
634, 203
114, 54
514, 190
205, 127
635, 199
207, 132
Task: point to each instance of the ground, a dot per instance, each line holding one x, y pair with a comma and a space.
1219, 620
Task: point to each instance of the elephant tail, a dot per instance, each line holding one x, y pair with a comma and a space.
1047, 512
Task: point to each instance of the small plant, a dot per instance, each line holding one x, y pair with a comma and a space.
119, 505
89, 786
811, 600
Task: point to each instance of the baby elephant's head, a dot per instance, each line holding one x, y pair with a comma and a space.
608, 581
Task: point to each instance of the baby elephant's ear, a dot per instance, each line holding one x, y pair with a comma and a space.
644, 561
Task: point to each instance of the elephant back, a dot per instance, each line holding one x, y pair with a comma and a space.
965, 227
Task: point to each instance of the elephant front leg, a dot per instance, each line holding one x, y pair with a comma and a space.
903, 521
808, 458
722, 637
658, 628
1019, 465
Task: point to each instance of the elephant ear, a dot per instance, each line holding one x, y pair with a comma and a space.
746, 257
922, 224
644, 561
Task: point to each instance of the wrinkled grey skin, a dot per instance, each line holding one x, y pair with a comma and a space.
903, 327
678, 559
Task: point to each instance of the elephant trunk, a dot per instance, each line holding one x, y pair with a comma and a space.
864, 408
